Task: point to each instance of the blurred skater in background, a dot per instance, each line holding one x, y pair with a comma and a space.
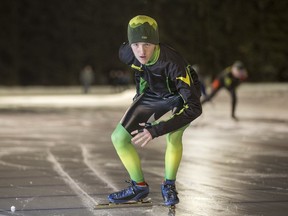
230, 79
86, 78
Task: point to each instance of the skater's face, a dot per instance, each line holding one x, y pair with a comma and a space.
143, 51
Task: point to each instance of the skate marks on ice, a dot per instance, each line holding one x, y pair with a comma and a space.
228, 168
232, 168
45, 170
237, 168
62, 180
38, 182
28, 170
86, 199
95, 168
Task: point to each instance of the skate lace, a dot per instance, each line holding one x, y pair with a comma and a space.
129, 182
126, 191
170, 191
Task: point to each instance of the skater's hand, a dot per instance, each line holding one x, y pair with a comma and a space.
143, 137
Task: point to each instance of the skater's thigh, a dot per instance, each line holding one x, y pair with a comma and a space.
146, 109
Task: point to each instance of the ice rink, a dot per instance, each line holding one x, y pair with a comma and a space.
56, 157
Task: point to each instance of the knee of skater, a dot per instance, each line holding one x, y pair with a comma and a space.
114, 137
119, 138
174, 140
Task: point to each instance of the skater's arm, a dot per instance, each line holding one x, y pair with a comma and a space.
188, 86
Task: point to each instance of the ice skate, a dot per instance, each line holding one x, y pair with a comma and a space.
134, 193
169, 194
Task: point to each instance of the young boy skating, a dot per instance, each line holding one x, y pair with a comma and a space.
164, 82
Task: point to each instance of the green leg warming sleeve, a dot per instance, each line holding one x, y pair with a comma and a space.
125, 149
173, 153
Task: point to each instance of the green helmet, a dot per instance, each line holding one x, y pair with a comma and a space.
143, 29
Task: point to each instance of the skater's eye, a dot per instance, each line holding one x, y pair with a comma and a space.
147, 44
135, 45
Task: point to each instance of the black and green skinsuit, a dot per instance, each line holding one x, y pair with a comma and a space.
167, 83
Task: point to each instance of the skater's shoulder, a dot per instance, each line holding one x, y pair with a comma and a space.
126, 54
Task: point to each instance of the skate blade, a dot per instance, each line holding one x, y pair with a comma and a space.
146, 202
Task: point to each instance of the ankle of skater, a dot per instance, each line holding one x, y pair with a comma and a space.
169, 181
142, 183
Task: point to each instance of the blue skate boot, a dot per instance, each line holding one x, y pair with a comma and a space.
169, 193
133, 193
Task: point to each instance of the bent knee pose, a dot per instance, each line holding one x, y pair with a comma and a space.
165, 82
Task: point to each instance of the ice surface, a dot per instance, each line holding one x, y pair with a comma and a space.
56, 157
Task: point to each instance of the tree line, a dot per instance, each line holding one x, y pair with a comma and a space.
49, 42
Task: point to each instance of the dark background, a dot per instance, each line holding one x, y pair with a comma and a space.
48, 42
